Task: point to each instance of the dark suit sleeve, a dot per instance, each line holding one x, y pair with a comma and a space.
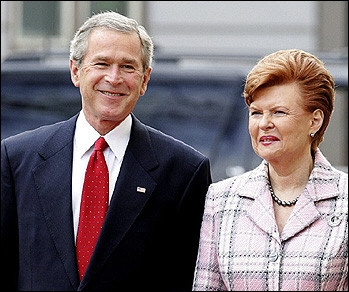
9, 230
188, 227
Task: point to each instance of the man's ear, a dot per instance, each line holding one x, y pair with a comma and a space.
146, 79
74, 73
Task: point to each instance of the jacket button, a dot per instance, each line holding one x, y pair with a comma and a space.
334, 220
273, 256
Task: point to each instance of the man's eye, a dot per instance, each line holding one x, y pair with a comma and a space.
128, 68
99, 65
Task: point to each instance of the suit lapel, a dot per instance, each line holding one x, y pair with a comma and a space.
53, 180
261, 211
133, 189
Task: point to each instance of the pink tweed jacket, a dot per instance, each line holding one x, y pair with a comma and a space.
242, 250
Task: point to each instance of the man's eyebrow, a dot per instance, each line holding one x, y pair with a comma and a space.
109, 59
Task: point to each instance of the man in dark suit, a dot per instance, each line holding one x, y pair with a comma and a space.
157, 184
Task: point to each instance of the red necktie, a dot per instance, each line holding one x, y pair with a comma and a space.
94, 205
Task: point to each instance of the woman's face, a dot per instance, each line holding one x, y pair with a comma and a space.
111, 78
279, 127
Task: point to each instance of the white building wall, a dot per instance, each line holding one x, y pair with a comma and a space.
234, 26
4, 30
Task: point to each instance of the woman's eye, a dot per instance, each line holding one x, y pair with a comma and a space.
254, 113
280, 113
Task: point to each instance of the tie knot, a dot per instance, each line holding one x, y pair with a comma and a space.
100, 144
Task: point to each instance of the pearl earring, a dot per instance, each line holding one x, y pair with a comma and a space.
312, 135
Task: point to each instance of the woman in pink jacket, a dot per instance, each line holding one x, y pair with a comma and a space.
284, 225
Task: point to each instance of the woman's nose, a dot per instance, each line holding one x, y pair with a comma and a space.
266, 121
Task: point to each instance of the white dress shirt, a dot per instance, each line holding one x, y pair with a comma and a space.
84, 139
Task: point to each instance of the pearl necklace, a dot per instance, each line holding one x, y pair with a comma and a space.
278, 201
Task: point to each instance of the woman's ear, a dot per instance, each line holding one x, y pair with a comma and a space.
317, 120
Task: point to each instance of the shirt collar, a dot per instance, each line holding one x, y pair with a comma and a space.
117, 139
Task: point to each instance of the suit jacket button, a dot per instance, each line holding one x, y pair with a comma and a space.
273, 256
334, 220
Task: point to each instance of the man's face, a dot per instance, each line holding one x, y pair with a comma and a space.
111, 78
